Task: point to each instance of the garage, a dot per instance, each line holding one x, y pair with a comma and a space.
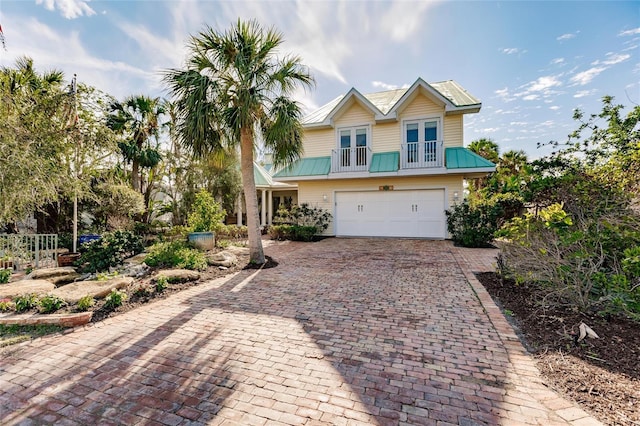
411, 213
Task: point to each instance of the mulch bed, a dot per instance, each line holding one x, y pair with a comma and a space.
602, 375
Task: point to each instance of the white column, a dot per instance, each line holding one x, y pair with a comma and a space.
263, 216
270, 210
239, 210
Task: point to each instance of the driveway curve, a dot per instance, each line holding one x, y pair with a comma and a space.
343, 331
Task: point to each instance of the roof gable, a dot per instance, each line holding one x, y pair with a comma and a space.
386, 105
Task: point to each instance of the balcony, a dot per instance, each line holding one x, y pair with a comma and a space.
350, 159
422, 155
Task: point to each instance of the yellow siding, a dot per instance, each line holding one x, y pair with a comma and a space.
319, 143
386, 137
453, 130
420, 107
353, 116
313, 192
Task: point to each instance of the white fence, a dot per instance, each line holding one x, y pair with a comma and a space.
22, 251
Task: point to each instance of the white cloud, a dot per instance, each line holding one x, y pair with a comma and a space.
70, 9
557, 61
490, 130
386, 86
612, 59
554, 107
633, 31
403, 19
504, 94
541, 87
585, 77
583, 93
40, 42
567, 36
512, 50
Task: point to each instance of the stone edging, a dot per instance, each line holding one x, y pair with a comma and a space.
560, 408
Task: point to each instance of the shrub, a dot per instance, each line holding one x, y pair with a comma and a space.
303, 233
582, 261
114, 299
5, 275
7, 305
176, 254
235, 232
85, 303
301, 223
161, 284
109, 251
471, 226
280, 232
50, 303
207, 215
25, 302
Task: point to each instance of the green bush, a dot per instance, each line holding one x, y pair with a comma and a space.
234, 232
303, 233
301, 223
109, 251
471, 226
25, 302
206, 214
50, 303
5, 275
85, 303
7, 305
578, 260
280, 232
115, 299
161, 284
176, 254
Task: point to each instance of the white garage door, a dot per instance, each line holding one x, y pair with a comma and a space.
418, 213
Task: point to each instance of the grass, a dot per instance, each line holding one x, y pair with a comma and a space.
12, 334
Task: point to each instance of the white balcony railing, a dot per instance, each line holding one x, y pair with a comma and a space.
422, 155
351, 159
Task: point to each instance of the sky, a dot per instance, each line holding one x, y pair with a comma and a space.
530, 63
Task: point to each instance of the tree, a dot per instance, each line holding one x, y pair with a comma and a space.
235, 91
35, 114
486, 148
139, 120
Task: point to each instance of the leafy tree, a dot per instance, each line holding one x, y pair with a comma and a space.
139, 120
34, 122
235, 91
486, 148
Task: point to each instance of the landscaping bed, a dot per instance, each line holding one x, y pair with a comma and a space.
602, 375
11, 334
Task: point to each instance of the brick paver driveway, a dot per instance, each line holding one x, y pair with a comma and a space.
343, 331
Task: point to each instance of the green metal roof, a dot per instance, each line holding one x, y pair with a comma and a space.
260, 177
385, 162
307, 167
463, 158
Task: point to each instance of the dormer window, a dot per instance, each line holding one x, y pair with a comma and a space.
422, 143
354, 149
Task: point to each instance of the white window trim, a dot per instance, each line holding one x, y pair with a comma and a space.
353, 129
420, 121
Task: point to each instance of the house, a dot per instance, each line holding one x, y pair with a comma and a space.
271, 196
388, 164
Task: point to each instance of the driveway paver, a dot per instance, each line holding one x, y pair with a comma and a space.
343, 331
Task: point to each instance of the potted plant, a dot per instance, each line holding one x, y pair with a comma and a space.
204, 220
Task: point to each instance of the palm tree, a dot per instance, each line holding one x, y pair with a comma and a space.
513, 162
486, 148
235, 90
139, 119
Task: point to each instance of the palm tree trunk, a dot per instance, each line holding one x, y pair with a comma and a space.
256, 254
135, 175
